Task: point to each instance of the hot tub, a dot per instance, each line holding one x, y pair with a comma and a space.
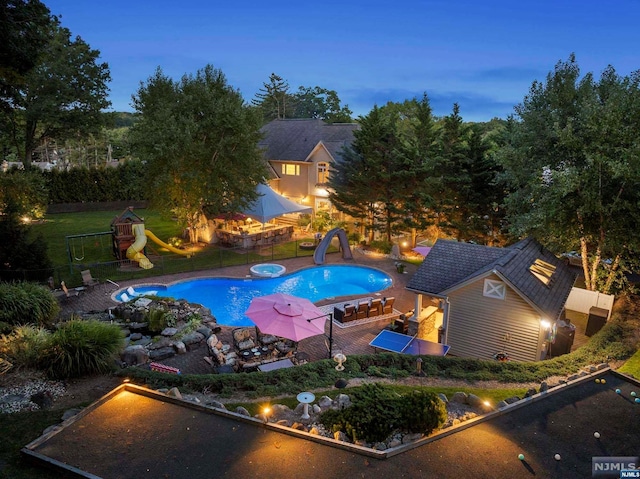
268, 270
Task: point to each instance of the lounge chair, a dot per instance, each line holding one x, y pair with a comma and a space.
69, 294
363, 310
345, 315
375, 308
88, 280
387, 305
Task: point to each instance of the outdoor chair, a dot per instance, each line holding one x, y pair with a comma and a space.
387, 305
345, 315
69, 294
265, 339
375, 308
242, 339
363, 310
88, 280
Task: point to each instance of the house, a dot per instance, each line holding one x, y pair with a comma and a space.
299, 152
488, 300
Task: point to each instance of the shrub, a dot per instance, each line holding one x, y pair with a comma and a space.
79, 348
382, 246
378, 410
24, 346
158, 319
23, 303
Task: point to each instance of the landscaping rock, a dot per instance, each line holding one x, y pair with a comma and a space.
343, 401
216, 404
44, 399
459, 397
325, 402
340, 436
602, 366
443, 397
162, 353
161, 343
530, 392
180, 347
243, 411
502, 404
544, 387
169, 332
192, 338
134, 355
135, 336
474, 401
174, 393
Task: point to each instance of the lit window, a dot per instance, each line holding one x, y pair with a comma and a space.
543, 271
323, 173
290, 169
494, 289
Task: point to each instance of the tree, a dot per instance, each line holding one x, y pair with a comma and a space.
320, 103
573, 165
60, 97
22, 257
200, 142
274, 99
24, 193
379, 175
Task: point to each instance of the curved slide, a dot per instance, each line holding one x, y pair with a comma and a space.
134, 252
321, 251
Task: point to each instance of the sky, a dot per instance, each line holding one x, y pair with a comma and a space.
482, 54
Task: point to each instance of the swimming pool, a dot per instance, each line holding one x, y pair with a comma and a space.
229, 298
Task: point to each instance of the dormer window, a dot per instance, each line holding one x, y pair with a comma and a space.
543, 271
494, 289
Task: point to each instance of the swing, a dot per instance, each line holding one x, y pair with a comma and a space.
73, 249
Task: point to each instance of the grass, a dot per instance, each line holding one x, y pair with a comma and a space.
94, 252
494, 396
632, 366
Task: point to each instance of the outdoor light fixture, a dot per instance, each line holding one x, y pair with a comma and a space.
545, 324
266, 412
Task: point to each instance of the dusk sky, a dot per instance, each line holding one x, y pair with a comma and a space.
482, 54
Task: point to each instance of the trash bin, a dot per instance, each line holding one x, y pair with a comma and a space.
565, 334
597, 319
441, 335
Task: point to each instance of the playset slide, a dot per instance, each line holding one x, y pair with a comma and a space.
134, 252
320, 252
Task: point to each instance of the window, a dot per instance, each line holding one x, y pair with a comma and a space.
494, 289
323, 173
290, 169
543, 271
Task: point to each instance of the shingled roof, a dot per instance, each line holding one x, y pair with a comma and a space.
451, 264
294, 140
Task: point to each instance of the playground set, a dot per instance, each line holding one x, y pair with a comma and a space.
128, 237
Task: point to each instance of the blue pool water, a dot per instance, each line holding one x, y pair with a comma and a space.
229, 298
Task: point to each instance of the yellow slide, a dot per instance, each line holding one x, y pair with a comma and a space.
134, 252
158, 241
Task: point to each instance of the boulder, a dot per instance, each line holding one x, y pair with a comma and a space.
474, 401
134, 355
162, 353
192, 338
325, 402
343, 401
180, 347
161, 343
169, 332
459, 397
174, 393
243, 411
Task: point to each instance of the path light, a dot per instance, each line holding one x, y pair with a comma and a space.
419, 367
339, 358
266, 412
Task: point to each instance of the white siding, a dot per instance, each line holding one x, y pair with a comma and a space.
478, 325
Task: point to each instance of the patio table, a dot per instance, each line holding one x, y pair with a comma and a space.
280, 364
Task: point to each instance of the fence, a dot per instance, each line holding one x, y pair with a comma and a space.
582, 301
211, 257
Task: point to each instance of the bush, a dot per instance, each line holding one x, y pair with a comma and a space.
379, 410
24, 346
81, 348
24, 303
158, 319
381, 246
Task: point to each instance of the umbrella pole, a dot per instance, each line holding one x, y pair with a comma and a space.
330, 334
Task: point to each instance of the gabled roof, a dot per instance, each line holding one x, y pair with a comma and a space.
294, 140
450, 265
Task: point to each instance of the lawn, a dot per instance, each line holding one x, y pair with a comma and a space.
95, 252
632, 366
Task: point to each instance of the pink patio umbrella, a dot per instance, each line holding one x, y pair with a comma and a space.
287, 316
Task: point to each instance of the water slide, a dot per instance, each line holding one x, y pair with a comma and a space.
321, 251
134, 252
